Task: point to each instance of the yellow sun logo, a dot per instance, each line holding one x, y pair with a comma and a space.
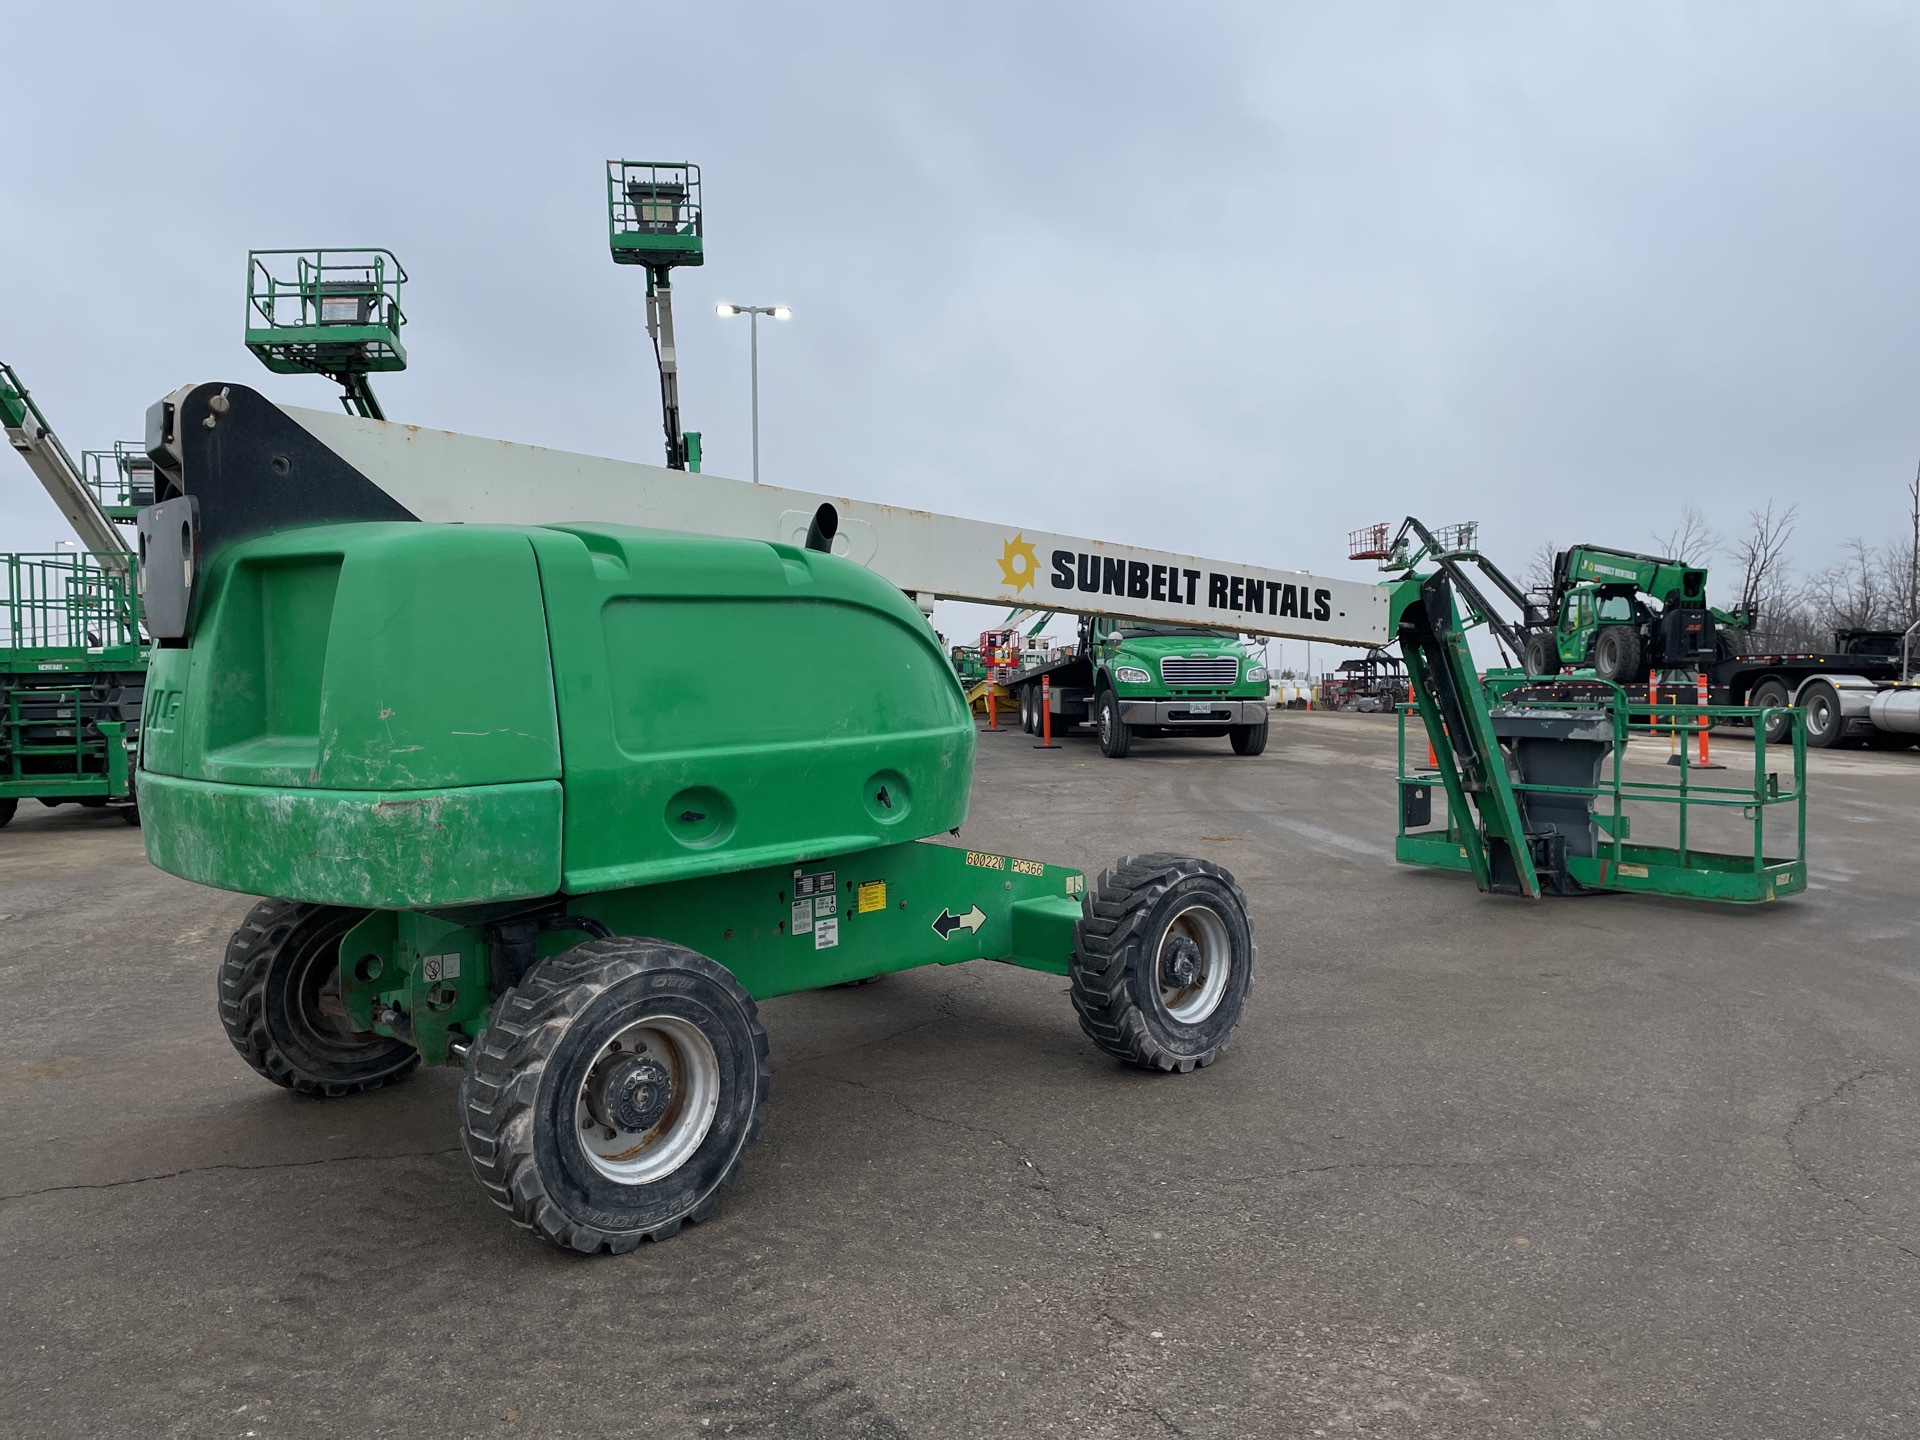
1018, 563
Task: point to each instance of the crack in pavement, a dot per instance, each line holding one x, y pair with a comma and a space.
1869, 1219
207, 1169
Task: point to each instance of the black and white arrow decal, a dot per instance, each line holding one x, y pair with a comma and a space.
948, 922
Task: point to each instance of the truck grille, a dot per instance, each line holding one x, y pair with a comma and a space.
1213, 671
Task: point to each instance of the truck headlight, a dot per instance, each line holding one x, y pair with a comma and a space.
1129, 675
1257, 674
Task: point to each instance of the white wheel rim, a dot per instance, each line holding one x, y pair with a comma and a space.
641, 1156
1192, 1002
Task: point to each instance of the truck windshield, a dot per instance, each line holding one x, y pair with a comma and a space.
1137, 630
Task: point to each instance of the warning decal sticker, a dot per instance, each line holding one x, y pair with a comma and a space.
872, 896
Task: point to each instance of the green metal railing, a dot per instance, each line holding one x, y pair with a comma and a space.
121, 479
326, 311
64, 605
1687, 867
653, 212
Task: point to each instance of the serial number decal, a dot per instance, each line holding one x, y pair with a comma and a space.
986, 862
1029, 867
807, 885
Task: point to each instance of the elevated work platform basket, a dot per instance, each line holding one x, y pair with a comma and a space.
325, 312
1590, 764
121, 479
653, 213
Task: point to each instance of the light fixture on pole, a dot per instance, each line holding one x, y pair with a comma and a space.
753, 314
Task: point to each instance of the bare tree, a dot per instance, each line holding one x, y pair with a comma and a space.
1853, 591
1761, 555
1693, 542
1538, 580
1911, 611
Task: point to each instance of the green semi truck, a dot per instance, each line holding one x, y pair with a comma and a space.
1133, 678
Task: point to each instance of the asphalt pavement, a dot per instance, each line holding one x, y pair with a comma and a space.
1472, 1167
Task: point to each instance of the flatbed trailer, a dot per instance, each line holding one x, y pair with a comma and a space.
1840, 694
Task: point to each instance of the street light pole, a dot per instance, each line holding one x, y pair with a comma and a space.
753, 364
753, 314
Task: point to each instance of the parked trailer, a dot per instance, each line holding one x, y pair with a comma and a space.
1856, 691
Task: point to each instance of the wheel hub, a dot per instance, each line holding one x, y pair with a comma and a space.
631, 1093
1180, 964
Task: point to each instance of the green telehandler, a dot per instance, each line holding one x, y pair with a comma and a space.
1621, 614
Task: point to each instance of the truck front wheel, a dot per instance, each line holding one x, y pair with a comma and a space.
1248, 739
1162, 961
280, 1003
614, 1092
1115, 738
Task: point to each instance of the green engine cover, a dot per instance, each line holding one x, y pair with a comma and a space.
408, 715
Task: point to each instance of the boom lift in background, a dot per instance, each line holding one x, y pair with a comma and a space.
1540, 782
73, 658
328, 312
654, 220
30, 434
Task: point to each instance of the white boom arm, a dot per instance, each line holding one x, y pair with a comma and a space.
28, 432
438, 475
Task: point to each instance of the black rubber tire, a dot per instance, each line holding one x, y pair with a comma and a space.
7, 807
1118, 945
1029, 711
1248, 739
1115, 738
1542, 655
1820, 703
523, 1078
273, 983
1773, 692
1616, 654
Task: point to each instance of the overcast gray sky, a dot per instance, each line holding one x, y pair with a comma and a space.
1226, 278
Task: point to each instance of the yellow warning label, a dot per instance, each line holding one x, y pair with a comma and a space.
1028, 867
986, 862
872, 895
